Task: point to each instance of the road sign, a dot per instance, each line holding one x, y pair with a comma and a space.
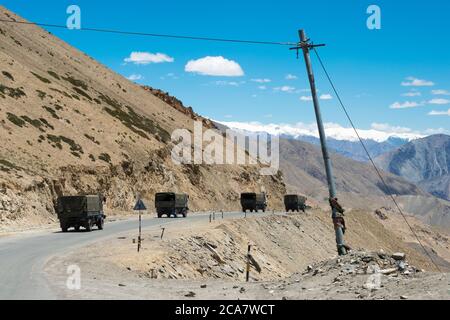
139, 205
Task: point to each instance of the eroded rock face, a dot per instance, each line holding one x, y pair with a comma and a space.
425, 162
178, 105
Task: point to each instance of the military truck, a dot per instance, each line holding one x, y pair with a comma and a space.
295, 202
253, 201
171, 204
80, 211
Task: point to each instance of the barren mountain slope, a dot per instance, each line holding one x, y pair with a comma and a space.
69, 124
302, 165
425, 162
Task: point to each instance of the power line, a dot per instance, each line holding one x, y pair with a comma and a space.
159, 35
388, 189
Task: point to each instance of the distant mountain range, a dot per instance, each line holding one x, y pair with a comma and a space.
354, 149
425, 162
416, 168
340, 139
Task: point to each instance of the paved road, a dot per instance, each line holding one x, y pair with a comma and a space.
23, 257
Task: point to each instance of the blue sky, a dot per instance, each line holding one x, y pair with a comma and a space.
368, 66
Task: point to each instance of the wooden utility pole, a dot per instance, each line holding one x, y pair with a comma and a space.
305, 45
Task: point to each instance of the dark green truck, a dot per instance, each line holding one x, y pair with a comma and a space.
80, 211
253, 201
295, 202
171, 204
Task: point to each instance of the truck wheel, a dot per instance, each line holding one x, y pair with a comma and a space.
89, 226
184, 213
100, 224
64, 229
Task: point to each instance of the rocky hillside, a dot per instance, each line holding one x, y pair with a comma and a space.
302, 166
425, 162
178, 105
70, 125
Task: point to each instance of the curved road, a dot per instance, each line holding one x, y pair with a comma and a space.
23, 257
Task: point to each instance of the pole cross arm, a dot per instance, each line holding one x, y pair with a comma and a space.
306, 45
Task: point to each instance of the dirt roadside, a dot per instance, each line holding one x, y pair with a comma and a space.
207, 261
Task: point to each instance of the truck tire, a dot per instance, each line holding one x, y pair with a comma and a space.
184, 213
64, 229
89, 226
100, 224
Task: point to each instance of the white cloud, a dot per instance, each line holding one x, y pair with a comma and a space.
214, 66
227, 83
385, 127
147, 58
429, 132
291, 77
363, 95
378, 132
170, 75
405, 105
288, 89
262, 87
135, 77
326, 97
439, 113
261, 80
322, 97
306, 98
439, 101
412, 94
440, 92
414, 82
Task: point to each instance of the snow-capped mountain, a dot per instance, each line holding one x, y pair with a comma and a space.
379, 139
